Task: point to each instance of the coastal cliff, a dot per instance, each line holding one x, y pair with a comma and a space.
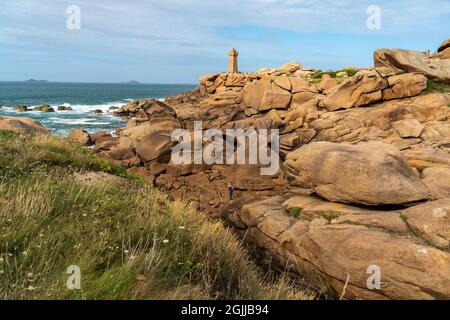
364, 176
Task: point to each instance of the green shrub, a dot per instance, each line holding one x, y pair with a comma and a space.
437, 87
295, 212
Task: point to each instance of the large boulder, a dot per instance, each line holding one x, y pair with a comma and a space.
362, 89
80, 136
404, 86
370, 174
413, 61
265, 94
22, 125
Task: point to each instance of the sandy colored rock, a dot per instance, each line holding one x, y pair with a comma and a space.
413, 61
431, 221
329, 248
265, 95
444, 45
371, 174
153, 146
362, 89
22, 125
291, 67
405, 85
300, 85
80, 136
438, 181
410, 270
409, 128
326, 83
445, 54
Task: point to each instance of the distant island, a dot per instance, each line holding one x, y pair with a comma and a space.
132, 82
35, 81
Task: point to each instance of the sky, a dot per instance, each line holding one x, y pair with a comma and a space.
177, 41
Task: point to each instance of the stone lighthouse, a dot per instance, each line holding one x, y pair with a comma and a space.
233, 61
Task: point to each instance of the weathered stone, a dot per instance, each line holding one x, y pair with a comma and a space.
80, 136
431, 221
405, 85
327, 83
22, 125
437, 180
444, 46
265, 95
409, 128
153, 146
44, 108
362, 89
413, 61
372, 174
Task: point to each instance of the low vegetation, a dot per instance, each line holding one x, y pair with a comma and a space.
317, 75
128, 239
437, 87
295, 212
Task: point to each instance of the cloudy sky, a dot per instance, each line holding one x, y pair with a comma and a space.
176, 41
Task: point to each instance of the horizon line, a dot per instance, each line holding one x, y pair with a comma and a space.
92, 82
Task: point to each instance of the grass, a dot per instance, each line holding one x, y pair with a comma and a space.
128, 239
295, 212
317, 75
437, 87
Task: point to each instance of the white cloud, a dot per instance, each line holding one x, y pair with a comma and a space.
174, 33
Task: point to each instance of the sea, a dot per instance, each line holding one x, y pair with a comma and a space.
82, 98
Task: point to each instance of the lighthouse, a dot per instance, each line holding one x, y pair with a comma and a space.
233, 61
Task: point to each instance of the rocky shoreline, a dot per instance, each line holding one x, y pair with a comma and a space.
365, 175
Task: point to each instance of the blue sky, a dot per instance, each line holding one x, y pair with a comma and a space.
176, 41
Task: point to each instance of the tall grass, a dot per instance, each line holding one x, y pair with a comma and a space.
128, 239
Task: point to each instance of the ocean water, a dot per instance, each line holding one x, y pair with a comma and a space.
82, 97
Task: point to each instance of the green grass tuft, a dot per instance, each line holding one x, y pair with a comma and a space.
437, 87
295, 212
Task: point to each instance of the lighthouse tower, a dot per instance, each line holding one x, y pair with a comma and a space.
233, 61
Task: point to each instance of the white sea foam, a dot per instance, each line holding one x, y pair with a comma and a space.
79, 121
83, 108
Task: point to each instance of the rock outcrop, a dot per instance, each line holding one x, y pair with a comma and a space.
433, 68
335, 248
146, 141
22, 125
